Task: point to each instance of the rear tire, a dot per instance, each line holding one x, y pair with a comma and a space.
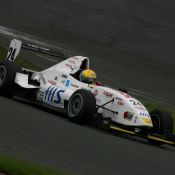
162, 124
81, 106
8, 70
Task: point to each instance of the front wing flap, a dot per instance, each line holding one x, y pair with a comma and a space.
154, 137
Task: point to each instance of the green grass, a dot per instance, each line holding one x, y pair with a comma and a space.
12, 166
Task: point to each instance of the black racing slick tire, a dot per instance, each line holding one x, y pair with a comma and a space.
162, 124
8, 70
81, 106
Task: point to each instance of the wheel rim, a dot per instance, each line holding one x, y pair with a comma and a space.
2, 74
75, 105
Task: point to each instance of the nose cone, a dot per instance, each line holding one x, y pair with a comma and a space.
142, 118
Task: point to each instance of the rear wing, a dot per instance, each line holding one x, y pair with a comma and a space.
16, 45
69, 65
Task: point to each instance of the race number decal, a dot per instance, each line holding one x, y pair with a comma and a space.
11, 54
136, 103
14, 49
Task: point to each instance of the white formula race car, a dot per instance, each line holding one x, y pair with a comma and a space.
58, 87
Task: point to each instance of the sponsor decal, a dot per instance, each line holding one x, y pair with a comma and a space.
56, 78
125, 94
147, 120
136, 103
120, 103
75, 58
67, 83
107, 94
68, 65
118, 98
74, 85
135, 119
141, 108
63, 81
53, 95
144, 114
128, 115
64, 76
96, 92
52, 82
72, 61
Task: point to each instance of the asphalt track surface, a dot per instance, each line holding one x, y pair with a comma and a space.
126, 41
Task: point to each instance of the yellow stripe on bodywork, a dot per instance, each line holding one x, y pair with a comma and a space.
122, 130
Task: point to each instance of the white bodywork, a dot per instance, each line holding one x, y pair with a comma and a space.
60, 81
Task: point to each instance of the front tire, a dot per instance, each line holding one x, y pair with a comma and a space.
8, 70
162, 124
81, 106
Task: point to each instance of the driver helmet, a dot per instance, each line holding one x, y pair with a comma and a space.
88, 76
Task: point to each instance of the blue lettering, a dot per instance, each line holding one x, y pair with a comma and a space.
53, 94
58, 97
50, 93
46, 93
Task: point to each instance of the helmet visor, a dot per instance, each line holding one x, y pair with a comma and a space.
90, 80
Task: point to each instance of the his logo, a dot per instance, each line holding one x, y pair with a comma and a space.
53, 95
